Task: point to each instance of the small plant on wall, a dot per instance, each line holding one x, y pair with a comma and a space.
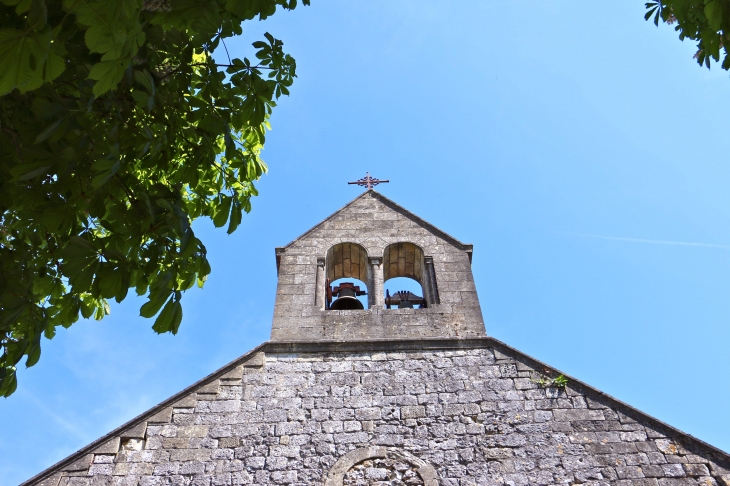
543, 380
560, 382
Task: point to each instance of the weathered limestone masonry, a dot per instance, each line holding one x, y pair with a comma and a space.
471, 411
387, 396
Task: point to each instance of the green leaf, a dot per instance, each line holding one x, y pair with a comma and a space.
86, 308
110, 283
29, 171
236, 215
15, 53
81, 281
152, 307
34, 355
8, 385
649, 13
22, 6
38, 13
107, 74
141, 97
222, 211
82, 244
713, 12
170, 318
55, 66
13, 313
102, 178
50, 331
188, 243
101, 39
145, 79
48, 131
141, 284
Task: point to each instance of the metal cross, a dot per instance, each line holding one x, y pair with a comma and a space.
368, 182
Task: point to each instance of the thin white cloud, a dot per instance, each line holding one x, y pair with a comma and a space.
653, 242
61, 421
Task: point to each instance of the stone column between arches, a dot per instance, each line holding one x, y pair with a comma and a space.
319, 290
376, 299
430, 287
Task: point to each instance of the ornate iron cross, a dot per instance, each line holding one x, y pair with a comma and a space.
368, 182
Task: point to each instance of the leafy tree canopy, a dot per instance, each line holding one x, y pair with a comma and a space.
704, 21
117, 130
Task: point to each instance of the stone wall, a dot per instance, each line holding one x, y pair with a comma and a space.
374, 222
455, 413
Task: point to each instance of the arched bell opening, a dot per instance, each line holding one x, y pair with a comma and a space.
403, 293
404, 277
346, 270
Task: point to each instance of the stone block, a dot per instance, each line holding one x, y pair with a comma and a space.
370, 413
132, 469
81, 464
717, 469
186, 455
188, 401
234, 375
101, 469
109, 447
629, 472
696, 470
175, 442
192, 431
644, 482
677, 482
412, 412
52, 480
723, 480
634, 436
652, 471
579, 414
673, 470
210, 388
163, 416
667, 446
136, 431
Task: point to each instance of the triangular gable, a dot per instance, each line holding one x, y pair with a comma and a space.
396, 207
79, 462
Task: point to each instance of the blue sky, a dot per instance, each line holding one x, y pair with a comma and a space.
579, 148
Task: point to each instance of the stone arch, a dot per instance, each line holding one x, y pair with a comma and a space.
403, 259
344, 464
347, 260
406, 259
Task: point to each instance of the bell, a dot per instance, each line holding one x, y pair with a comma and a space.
347, 303
346, 294
404, 299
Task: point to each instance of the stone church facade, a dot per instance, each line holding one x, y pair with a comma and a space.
386, 396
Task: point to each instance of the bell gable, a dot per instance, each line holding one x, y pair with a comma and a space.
371, 240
